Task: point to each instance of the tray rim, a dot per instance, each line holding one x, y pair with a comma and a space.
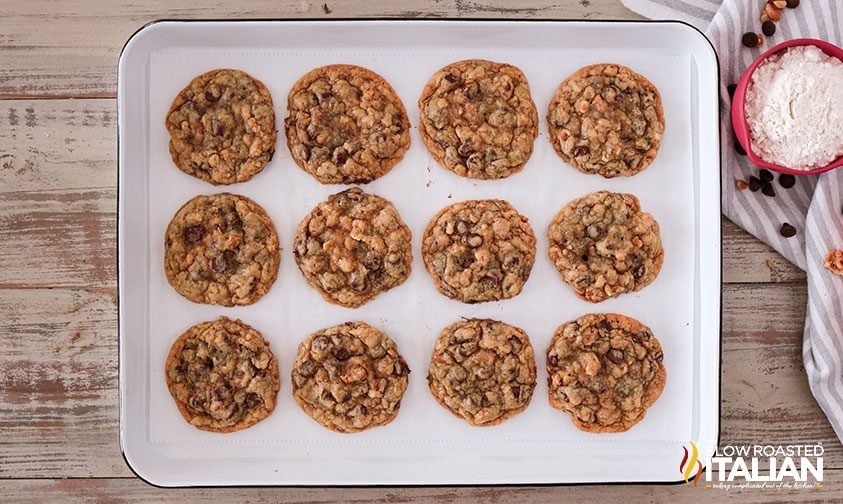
124, 451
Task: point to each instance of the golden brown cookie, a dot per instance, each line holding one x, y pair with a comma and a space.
606, 370
346, 125
479, 250
483, 371
222, 127
604, 245
606, 119
221, 249
478, 119
352, 247
349, 377
222, 375
834, 261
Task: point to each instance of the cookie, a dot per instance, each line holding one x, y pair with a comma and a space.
222, 127
834, 261
606, 119
345, 125
478, 119
479, 250
483, 371
352, 247
604, 245
606, 370
349, 377
222, 375
221, 249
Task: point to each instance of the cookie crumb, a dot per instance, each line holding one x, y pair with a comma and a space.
834, 262
770, 265
326, 9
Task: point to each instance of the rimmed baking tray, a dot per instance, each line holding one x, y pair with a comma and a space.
425, 445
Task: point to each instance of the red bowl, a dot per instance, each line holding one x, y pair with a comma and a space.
739, 122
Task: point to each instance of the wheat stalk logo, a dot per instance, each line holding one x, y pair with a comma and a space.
686, 467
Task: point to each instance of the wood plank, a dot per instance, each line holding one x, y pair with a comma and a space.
59, 371
133, 490
58, 206
74, 50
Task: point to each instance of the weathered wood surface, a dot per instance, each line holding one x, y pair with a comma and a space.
58, 329
73, 50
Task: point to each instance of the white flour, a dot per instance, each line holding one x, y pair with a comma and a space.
794, 107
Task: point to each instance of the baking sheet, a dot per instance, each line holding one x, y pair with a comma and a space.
414, 313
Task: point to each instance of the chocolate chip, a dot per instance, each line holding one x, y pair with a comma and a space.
754, 183
307, 368
768, 190
210, 97
516, 391
751, 39
340, 156
553, 360
194, 233
658, 356
252, 400
768, 28
472, 91
787, 180
219, 264
217, 127
787, 230
731, 88
581, 150
615, 355
341, 354
451, 78
766, 175
792, 4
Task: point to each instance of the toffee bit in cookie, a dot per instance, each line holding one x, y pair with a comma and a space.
605, 246
768, 190
221, 249
222, 127
787, 230
787, 180
346, 125
606, 119
755, 183
478, 119
349, 377
353, 247
741, 184
606, 370
222, 375
834, 261
482, 371
479, 250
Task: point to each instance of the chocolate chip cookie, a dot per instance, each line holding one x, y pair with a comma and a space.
483, 371
346, 125
606, 119
606, 370
604, 245
222, 127
479, 250
352, 247
221, 249
222, 375
349, 377
478, 119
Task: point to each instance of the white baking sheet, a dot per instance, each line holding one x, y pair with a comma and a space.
414, 313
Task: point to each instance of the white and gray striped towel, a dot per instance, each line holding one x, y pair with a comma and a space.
812, 206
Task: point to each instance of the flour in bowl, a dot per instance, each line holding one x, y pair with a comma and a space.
794, 107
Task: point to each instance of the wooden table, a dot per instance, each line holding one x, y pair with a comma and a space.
58, 306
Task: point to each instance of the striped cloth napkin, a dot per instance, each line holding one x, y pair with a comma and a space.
812, 206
